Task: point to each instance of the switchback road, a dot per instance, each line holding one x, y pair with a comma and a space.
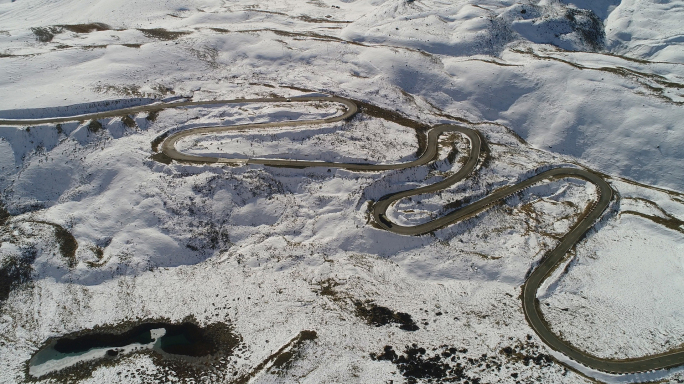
379, 210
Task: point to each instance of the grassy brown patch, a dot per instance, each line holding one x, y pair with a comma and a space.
4, 214
91, 47
122, 90
94, 126
327, 288
310, 19
158, 140
670, 221
15, 271
152, 115
163, 34
66, 241
67, 244
129, 122
46, 34
161, 158
86, 28
378, 316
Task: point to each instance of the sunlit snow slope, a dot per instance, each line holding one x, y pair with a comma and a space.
276, 251
619, 114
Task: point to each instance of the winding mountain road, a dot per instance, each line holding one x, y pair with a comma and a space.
379, 210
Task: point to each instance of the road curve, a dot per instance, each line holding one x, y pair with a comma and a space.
379, 210
161, 106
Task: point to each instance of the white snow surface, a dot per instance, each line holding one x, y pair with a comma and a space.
598, 84
620, 270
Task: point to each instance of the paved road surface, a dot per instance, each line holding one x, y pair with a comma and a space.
379, 210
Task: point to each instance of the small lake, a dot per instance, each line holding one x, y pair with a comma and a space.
181, 340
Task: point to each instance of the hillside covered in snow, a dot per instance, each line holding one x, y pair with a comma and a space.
101, 234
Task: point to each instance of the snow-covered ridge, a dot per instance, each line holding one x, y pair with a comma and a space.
489, 62
275, 251
74, 110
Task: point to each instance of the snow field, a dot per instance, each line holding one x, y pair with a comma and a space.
252, 246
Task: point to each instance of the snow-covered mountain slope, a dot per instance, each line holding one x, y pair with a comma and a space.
619, 115
647, 30
274, 251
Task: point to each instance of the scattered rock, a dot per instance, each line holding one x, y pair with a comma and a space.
379, 316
